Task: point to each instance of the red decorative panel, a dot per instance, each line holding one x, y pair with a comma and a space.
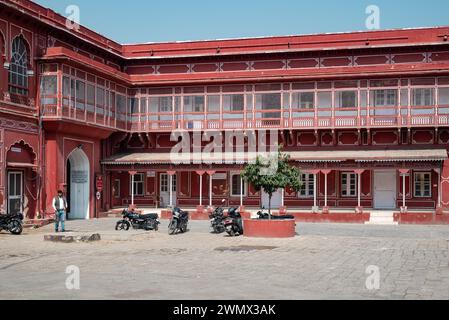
348, 138
444, 136
370, 60
440, 56
423, 136
205, 67
234, 66
445, 184
409, 57
336, 62
173, 69
326, 139
366, 184
264, 65
306, 139
385, 137
150, 187
163, 141
331, 185
140, 70
252, 191
303, 63
184, 184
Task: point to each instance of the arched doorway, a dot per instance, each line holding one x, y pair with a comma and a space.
78, 185
22, 180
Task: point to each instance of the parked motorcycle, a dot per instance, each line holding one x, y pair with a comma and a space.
234, 223
264, 215
138, 221
11, 222
179, 221
217, 219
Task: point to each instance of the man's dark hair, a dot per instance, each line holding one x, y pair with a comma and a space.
60, 191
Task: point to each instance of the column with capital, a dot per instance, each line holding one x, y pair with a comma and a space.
326, 209
439, 209
211, 174
404, 173
200, 208
132, 174
359, 208
171, 174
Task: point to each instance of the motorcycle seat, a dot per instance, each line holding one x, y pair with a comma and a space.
153, 216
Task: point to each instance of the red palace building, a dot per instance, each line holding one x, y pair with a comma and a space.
364, 115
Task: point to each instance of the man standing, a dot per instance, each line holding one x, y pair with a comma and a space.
60, 206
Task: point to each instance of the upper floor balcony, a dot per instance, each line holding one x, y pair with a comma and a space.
341, 104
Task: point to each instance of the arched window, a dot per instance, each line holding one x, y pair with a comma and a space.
18, 80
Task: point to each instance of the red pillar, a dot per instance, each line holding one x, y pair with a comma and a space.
53, 164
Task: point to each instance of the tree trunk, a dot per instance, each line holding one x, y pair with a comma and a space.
269, 206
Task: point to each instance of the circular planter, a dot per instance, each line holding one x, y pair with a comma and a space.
269, 228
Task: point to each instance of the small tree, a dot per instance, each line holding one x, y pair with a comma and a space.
272, 174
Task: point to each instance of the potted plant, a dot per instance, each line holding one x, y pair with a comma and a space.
271, 174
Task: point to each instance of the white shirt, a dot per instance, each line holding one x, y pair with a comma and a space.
59, 205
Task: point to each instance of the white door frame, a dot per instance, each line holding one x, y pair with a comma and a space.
79, 191
15, 197
392, 173
165, 195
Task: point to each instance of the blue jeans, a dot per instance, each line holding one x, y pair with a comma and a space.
60, 218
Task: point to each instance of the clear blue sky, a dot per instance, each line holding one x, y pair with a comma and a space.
133, 21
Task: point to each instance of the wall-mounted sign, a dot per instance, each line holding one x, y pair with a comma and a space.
99, 183
16, 150
151, 174
79, 177
219, 176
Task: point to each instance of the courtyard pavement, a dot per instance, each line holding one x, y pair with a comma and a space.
325, 261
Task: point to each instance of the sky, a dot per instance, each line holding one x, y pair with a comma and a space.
140, 21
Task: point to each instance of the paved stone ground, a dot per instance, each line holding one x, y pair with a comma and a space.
326, 261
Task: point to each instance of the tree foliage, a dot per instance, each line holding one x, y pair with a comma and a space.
272, 173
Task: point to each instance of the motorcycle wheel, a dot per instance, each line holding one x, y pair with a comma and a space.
16, 227
156, 226
184, 229
231, 232
148, 226
172, 227
122, 225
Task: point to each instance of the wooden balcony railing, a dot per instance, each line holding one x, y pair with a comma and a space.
319, 118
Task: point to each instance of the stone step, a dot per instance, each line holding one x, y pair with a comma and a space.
382, 218
383, 223
382, 214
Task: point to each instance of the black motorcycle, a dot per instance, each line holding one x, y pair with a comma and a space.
11, 222
138, 221
217, 219
234, 223
263, 215
179, 222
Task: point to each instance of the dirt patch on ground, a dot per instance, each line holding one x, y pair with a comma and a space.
245, 248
